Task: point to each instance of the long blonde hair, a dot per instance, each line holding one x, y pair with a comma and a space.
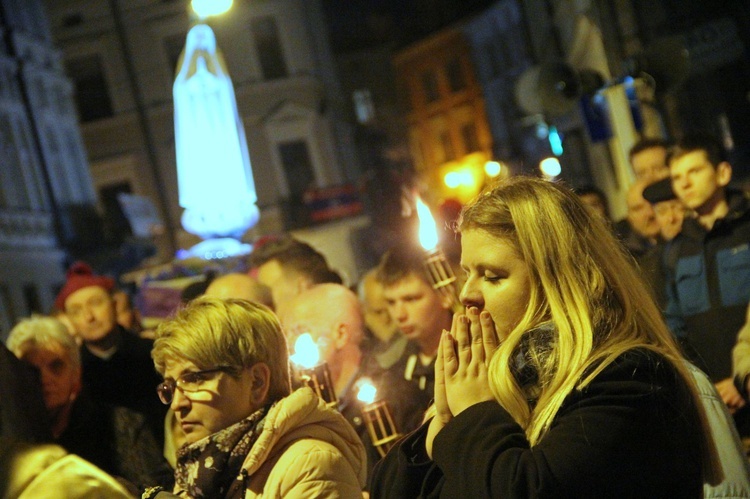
585, 285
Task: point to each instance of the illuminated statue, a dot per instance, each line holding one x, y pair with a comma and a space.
214, 176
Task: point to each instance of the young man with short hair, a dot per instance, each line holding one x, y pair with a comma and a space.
421, 314
709, 284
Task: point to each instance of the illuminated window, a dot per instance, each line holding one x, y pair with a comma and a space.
268, 46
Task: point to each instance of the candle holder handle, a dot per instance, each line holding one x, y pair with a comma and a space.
442, 277
319, 379
380, 426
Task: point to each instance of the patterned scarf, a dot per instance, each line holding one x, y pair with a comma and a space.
211, 466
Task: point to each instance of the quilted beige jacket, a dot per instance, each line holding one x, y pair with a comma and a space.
306, 450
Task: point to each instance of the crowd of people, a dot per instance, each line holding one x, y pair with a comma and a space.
589, 359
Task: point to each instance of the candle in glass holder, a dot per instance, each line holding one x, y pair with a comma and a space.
311, 371
436, 264
377, 416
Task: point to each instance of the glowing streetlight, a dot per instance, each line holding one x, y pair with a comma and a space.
208, 8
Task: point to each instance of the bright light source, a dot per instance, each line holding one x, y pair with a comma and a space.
366, 391
452, 179
555, 142
208, 8
214, 175
550, 167
306, 354
493, 168
428, 236
467, 178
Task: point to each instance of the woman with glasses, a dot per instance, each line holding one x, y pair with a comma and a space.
561, 378
226, 377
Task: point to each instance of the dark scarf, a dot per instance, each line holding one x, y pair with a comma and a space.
211, 466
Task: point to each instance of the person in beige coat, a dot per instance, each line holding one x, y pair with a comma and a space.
226, 377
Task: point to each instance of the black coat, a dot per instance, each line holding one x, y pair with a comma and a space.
126, 379
633, 432
117, 440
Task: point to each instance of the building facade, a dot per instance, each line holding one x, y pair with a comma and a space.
449, 135
45, 185
122, 56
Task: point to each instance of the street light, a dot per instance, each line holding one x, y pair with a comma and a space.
207, 8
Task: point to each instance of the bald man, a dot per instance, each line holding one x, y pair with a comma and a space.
332, 315
240, 286
639, 231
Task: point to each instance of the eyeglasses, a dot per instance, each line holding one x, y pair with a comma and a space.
187, 383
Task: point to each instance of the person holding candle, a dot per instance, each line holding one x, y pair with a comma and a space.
226, 376
561, 379
337, 330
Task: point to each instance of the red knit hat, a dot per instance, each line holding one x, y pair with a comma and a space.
80, 275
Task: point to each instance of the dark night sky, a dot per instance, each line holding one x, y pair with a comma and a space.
361, 23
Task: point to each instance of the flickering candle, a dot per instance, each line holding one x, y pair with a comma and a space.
436, 264
311, 371
377, 417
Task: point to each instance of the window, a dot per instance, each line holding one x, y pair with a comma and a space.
116, 224
91, 91
268, 44
455, 72
295, 158
363, 106
430, 86
71, 20
447, 146
470, 138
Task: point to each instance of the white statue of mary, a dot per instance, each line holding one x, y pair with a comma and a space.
214, 176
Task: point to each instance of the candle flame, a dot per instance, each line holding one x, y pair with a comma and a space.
306, 353
367, 391
428, 236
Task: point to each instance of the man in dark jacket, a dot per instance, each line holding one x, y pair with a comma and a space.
709, 275
117, 365
421, 314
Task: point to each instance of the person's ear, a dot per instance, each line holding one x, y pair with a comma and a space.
723, 173
304, 283
260, 381
341, 335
